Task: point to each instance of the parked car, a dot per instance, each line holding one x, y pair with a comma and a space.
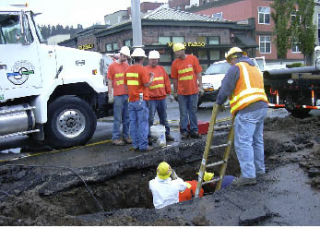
213, 76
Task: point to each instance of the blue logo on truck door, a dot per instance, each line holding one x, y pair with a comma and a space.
20, 72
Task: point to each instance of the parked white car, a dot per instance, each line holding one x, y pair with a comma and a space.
213, 76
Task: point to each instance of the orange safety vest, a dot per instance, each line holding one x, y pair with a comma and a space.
249, 88
190, 191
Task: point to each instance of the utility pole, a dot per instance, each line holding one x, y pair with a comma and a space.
136, 23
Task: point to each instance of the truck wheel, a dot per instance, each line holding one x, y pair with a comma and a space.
299, 113
71, 121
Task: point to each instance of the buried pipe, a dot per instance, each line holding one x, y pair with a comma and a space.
69, 169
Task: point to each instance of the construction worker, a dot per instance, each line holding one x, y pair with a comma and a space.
189, 193
165, 190
118, 95
137, 81
187, 82
158, 91
243, 84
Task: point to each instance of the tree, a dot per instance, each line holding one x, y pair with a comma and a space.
304, 29
282, 30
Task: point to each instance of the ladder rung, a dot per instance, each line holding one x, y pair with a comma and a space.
215, 164
211, 181
224, 120
223, 127
219, 146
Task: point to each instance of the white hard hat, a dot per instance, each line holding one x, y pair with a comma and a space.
138, 52
154, 55
317, 48
125, 51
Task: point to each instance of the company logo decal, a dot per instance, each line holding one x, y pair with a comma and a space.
20, 72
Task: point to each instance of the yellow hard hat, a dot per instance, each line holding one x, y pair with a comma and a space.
232, 52
178, 46
208, 176
164, 170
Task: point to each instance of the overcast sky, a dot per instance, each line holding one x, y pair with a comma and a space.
73, 12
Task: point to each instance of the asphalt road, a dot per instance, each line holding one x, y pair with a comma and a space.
21, 147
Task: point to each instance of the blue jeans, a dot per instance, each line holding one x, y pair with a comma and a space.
161, 107
139, 125
188, 105
120, 114
248, 142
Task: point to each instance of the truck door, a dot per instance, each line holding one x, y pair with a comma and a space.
20, 74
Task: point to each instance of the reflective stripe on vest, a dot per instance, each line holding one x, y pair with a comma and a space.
119, 75
248, 94
189, 77
158, 79
120, 82
132, 82
190, 69
161, 85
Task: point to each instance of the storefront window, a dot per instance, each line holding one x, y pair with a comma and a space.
164, 40
109, 47
202, 55
127, 43
115, 46
165, 57
178, 39
213, 40
214, 55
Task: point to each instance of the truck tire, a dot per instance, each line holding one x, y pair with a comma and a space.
71, 122
299, 113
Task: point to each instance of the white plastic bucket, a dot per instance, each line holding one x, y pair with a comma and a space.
159, 132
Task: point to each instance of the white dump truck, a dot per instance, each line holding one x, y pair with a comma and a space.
52, 93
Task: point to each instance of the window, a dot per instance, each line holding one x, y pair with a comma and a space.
202, 55
265, 44
109, 47
115, 46
295, 48
214, 55
213, 40
164, 40
178, 39
127, 43
264, 15
165, 57
10, 29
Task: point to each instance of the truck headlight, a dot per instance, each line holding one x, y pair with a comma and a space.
290, 81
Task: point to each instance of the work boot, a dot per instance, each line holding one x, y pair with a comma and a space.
195, 135
184, 135
242, 181
134, 149
148, 149
169, 138
127, 140
118, 142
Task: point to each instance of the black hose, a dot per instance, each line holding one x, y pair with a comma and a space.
72, 171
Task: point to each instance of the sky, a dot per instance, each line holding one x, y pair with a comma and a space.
73, 12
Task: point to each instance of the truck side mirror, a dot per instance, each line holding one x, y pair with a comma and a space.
23, 35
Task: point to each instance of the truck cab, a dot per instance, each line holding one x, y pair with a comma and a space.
53, 93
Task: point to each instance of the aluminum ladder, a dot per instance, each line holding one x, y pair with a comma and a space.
208, 147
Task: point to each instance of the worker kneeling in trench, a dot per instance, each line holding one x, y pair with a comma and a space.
167, 188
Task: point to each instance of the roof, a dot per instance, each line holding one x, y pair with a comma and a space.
165, 13
247, 41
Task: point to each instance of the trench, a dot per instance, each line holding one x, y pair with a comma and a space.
128, 190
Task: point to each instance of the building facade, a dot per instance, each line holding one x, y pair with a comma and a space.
203, 36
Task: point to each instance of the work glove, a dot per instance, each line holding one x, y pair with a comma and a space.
174, 176
171, 98
201, 91
110, 96
222, 107
175, 96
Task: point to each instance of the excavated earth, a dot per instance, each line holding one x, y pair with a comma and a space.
107, 185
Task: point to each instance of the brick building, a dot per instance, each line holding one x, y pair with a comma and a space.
260, 11
204, 36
